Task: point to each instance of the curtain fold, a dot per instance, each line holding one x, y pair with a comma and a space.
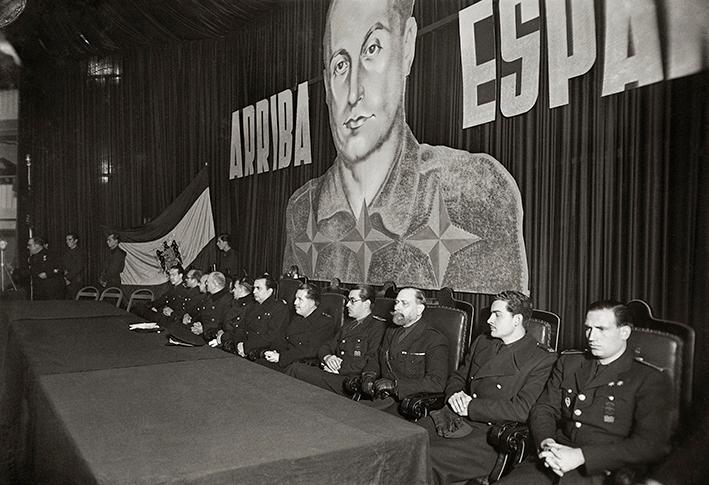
612, 187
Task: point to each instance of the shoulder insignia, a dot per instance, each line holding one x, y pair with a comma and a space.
326, 314
640, 360
545, 347
377, 317
284, 302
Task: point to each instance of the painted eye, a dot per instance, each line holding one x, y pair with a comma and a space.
341, 67
372, 50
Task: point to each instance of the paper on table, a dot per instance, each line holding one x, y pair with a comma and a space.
144, 326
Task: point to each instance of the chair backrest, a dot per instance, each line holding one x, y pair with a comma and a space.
668, 345
445, 297
112, 293
143, 294
87, 293
334, 304
544, 326
287, 288
383, 307
453, 324
469, 311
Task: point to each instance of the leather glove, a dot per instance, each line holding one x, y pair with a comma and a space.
210, 334
352, 385
368, 379
384, 388
228, 345
256, 354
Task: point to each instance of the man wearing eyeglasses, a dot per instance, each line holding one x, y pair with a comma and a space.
350, 350
413, 356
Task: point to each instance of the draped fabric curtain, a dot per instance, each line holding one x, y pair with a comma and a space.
611, 187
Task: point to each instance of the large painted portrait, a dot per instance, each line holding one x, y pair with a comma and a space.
389, 207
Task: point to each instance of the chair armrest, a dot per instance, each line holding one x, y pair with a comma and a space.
511, 441
417, 406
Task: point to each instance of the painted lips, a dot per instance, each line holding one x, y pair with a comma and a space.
354, 123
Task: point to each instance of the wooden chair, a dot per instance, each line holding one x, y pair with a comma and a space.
112, 293
143, 294
87, 293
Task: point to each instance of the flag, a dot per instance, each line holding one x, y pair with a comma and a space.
177, 236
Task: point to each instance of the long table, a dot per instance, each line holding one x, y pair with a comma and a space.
88, 401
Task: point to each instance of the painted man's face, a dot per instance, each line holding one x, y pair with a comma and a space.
365, 74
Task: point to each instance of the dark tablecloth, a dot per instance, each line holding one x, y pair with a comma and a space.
90, 402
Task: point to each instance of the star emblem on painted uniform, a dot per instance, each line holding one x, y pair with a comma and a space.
364, 240
440, 238
311, 242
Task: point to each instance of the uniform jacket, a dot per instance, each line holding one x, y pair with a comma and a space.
356, 343
175, 297
620, 417
195, 299
503, 380
266, 324
235, 324
419, 363
51, 287
213, 311
113, 267
74, 264
304, 335
228, 264
428, 189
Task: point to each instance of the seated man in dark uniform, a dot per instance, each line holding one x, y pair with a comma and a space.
502, 378
171, 304
600, 410
308, 329
265, 322
46, 272
347, 353
413, 356
234, 327
214, 310
196, 282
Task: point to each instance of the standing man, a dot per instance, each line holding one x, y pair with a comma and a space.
346, 354
74, 259
228, 262
601, 410
266, 322
409, 192
502, 378
113, 267
308, 329
45, 272
413, 356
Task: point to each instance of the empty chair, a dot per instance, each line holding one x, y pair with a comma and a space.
112, 293
87, 293
142, 294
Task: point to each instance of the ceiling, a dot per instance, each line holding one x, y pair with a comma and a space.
80, 28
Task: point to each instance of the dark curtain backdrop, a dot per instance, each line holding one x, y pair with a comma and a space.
612, 187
